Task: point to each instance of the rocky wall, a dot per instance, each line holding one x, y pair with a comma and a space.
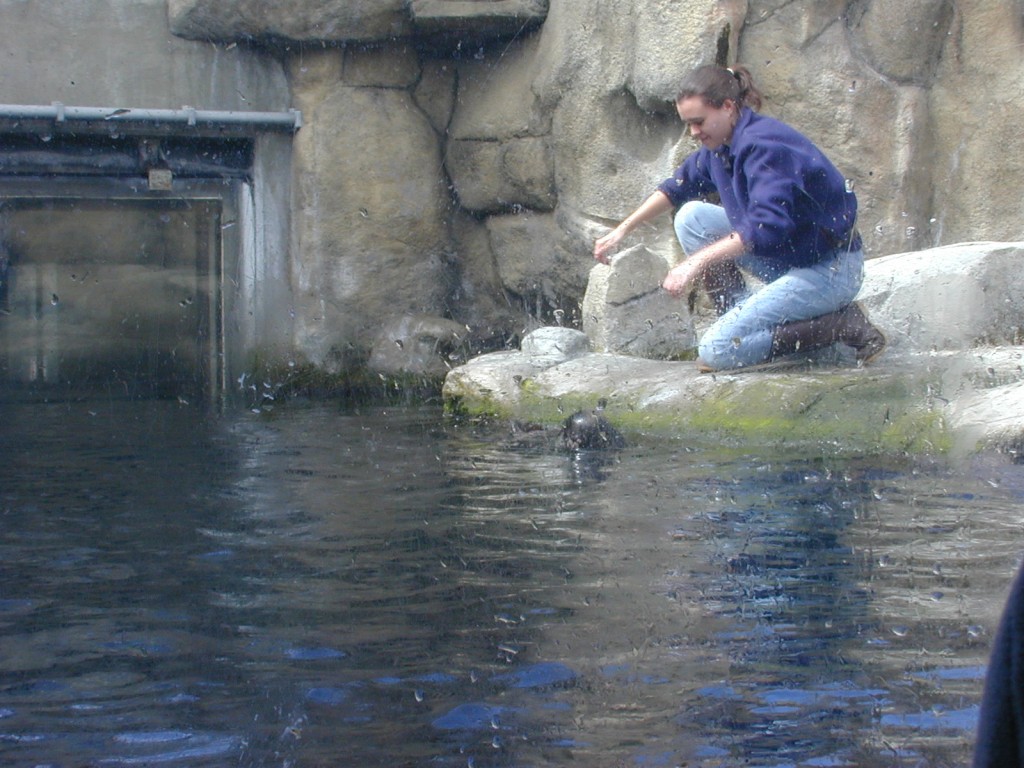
517, 131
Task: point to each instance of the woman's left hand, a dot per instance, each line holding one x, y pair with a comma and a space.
679, 279
681, 276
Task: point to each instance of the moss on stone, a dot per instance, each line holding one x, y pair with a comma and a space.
848, 410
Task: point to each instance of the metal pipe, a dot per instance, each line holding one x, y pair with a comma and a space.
60, 113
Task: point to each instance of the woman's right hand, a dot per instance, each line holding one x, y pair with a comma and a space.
655, 205
605, 246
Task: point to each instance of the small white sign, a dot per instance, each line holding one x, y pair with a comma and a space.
160, 179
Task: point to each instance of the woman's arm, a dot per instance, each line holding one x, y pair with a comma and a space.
655, 205
692, 268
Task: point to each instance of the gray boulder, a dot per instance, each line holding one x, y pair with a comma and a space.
556, 345
956, 297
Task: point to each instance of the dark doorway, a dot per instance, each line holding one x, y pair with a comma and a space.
112, 294
113, 249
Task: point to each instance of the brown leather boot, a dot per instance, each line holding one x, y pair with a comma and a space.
848, 325
855, 330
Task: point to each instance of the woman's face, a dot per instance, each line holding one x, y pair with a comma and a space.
711, 126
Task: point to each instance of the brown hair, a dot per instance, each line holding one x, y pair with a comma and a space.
715, 84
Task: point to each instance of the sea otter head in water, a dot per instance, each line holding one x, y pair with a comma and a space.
590, 430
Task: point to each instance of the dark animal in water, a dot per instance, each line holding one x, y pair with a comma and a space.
589, 431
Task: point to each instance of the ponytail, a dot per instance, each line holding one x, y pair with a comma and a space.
716, 84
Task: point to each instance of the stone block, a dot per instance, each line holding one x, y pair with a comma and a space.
904, 41
555, 344
435, 93
949, 298
300, 20
496, 175
475, 22
626, 311
370, 219
396, 66
531, 259
633, 273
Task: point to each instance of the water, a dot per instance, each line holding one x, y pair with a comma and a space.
315, 586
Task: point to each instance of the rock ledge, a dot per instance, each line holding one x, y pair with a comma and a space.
953, 386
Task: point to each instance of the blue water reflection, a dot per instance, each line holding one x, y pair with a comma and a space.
316, 586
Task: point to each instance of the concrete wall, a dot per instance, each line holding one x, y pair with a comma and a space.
121, 53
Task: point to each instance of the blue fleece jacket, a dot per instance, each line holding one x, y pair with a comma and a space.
782, 195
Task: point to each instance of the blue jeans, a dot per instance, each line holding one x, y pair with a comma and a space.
743, 335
